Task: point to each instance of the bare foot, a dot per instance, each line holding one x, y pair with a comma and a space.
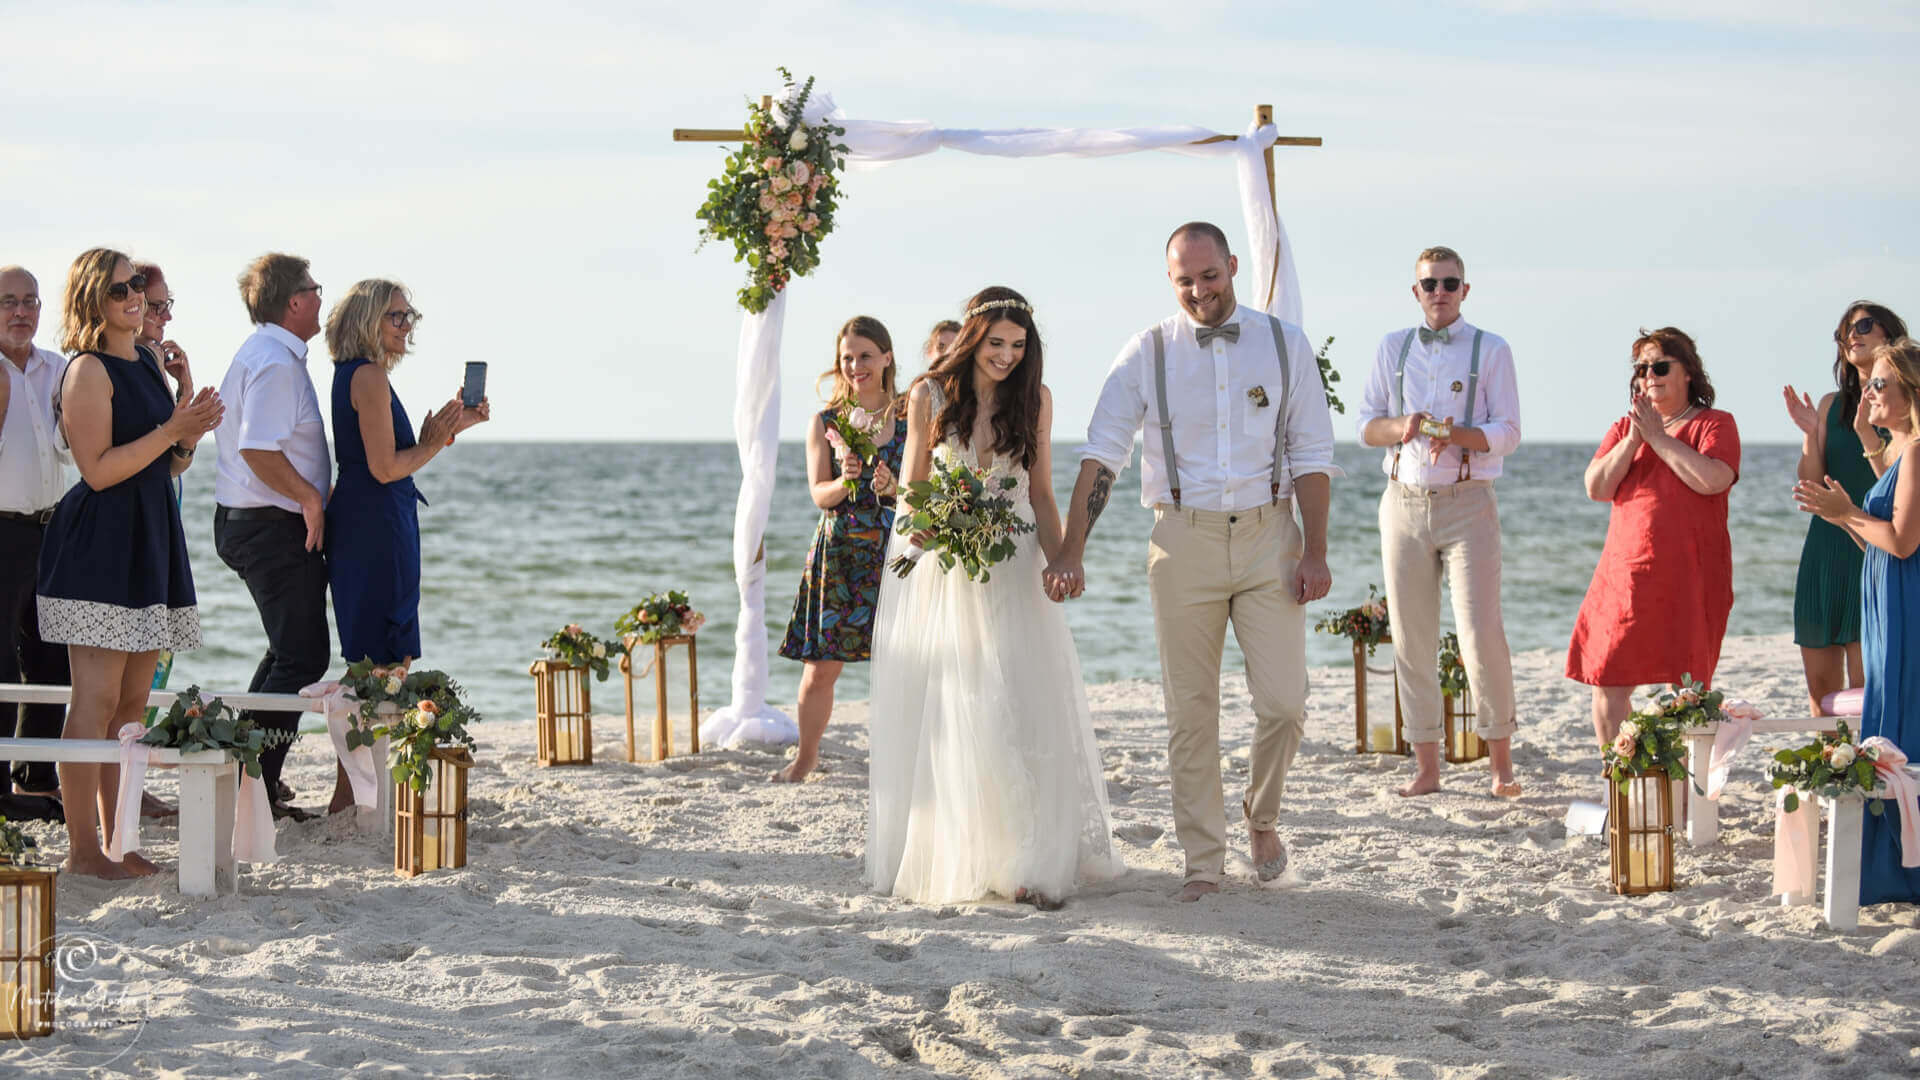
1423, 783
1194, 890
96, 865
1270, 856
151, 806
796, 771
1506, 789
137, 864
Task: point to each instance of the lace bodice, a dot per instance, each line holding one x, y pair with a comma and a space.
950, 450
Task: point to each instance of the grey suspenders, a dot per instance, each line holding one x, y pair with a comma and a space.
1166, 415
1400, 397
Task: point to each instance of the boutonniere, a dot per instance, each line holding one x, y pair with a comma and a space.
1457, 386
1258, 395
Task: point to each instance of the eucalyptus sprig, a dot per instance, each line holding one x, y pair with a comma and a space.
1328, 377
413, 737
14, 843
193, 724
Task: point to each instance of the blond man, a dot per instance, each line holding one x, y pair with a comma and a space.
1443, 402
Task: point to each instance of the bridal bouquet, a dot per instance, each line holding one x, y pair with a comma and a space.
854, 432
964, 516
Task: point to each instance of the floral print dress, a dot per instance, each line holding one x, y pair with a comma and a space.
840, 588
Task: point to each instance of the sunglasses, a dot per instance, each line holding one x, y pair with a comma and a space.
1875, 384
160, 307
1658, 367
1862, 326
1432, 284
314, 289
400, 320
119, 290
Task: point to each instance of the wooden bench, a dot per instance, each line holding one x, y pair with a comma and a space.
209, 781
1840, 885
1703, 814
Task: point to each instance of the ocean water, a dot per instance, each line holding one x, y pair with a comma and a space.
521, 539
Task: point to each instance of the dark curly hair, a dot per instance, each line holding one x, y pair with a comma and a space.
1016, 411
1845, 376
1676, 345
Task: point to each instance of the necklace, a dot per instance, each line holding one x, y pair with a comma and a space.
1688, 412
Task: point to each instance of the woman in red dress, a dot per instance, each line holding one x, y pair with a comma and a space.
1657, 609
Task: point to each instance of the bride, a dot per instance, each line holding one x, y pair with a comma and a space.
985, 778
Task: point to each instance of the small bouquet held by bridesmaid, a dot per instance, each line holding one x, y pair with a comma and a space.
854, 432
962, 515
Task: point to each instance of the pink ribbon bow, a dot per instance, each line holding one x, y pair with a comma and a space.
1736, 727
133, 784
1890, 768
362, 763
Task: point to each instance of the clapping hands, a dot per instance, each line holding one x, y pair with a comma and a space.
1823, 499
193, 418
1802, 411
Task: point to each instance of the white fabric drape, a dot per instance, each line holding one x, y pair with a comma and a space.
1267, 281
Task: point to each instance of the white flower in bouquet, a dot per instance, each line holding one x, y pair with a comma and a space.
1630, 729
782, 185
393, 684
599, 650
1843, 755
798, 140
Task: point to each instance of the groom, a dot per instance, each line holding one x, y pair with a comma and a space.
1236, 428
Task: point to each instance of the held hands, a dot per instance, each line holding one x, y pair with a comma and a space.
1064, 579
194, 418
1801, 410
1826, 499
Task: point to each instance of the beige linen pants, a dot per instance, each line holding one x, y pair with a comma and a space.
1204, 568
1454, 529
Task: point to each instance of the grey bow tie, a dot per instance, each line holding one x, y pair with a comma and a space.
1230, 331
1428, 337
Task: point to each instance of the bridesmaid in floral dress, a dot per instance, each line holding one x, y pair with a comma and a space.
832, 622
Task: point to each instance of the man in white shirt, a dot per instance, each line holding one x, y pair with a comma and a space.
1442, 398
32, 479
1236, 428
270, 514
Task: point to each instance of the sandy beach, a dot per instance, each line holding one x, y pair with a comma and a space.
687, 919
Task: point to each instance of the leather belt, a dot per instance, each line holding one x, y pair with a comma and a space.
255, 513
37, 517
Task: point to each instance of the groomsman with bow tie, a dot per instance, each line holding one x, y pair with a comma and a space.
1443, 402
1237, 431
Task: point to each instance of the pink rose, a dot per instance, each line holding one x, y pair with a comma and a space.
766, 201
809, 223
692, 623
860, 418
782, 185
800, 172
794, 200
773, 163
1623, 746
428, 708
574, 628
834, 440
788, 231
778, 251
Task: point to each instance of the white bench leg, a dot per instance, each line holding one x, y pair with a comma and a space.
226, 796
199, 800
1703, 814
1842, 902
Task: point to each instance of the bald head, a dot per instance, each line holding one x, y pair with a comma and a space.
19, 312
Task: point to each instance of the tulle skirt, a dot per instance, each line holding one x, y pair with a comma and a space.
985, 777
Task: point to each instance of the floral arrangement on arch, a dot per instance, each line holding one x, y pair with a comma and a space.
775, 198
193, 723
662, 615
1830, 766
853, 431
1366, 624
374, 685
1328, 376
573, 646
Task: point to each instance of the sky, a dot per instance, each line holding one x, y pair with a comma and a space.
1738, 168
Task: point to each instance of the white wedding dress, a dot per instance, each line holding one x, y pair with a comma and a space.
985, 778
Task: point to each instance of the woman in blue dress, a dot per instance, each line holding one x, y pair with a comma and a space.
113, 582
1887, 526
832, 623
373, 520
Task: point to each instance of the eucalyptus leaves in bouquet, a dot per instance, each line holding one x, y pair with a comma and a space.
193, 723
1366, 624
15, 844
376, 684
964, 516
1830, 766
662, 615
573, 646
774, 199
412, 738
1648, 741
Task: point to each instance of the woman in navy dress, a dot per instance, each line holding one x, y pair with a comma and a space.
832, 623
373, 521
114, 584
1887, 526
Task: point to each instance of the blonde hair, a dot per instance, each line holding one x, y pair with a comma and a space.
83, 321
353, 326
268, 285
1904, 356
1440, 254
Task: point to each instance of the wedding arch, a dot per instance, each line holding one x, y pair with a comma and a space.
874, 143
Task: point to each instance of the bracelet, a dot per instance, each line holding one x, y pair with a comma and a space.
1871, 454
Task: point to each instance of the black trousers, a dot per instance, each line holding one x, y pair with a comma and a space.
24, 657
289, 586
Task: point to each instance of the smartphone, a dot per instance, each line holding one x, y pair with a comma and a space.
474, 388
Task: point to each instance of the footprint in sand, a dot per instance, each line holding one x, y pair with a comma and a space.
1139, 833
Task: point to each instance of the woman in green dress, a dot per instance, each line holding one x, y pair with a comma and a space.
1826, 594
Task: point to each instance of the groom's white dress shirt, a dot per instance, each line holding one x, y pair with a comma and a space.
1436, 379
1223, 435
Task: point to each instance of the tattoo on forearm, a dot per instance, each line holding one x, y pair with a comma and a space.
1097, 498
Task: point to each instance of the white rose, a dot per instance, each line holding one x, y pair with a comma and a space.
1843, 755
1630, 729
599, 650
393, 684
798, 141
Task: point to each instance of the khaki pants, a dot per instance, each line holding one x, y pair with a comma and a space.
1204, 568
1456, 530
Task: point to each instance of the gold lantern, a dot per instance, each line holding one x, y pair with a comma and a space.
563, 713
1461, 742
1640, 833
430, 827
1379, 738
662, 728
26, 951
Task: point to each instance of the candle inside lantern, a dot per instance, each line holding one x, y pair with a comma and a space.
1380, 738
1637, 858
12, 1023
429, 853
